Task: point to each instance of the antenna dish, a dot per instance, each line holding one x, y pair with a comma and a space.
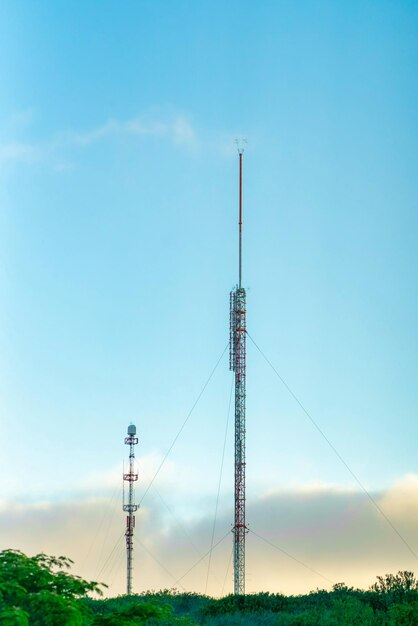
131, 430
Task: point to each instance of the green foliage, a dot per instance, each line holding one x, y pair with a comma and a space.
400, 583
36, 591
13, 617
20, 574
336, 613
343, 606
262, 618
49, 609
170, 606
400, 588
246, 604
350, 611
182, 603
403, 614
39, 591
141, 613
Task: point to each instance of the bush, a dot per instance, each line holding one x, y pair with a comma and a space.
37, 590
403, 614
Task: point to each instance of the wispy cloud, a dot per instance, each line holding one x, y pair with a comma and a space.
15, 151
59, 151
180, 131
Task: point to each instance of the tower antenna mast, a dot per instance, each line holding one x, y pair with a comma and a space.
237, 363
130, 508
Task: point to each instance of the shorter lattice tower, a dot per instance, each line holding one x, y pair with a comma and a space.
130, 508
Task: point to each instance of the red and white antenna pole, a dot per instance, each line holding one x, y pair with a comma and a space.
240, 152
130, 508
237, 363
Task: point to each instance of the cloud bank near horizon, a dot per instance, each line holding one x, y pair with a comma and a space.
335, 532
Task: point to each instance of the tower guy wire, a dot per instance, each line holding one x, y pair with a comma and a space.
227, 571
183, 425
110, 555
334, 449
176, 519
204, 556
157, 560
219, 487
290, 556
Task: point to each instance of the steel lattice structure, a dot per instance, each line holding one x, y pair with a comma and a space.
130, 508
237, 363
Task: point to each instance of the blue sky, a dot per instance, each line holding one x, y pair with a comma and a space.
118, 196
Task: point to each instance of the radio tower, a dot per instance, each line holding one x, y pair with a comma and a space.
237, 363
131, 440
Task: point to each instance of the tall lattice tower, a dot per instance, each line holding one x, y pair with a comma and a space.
130, 508
237, 363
